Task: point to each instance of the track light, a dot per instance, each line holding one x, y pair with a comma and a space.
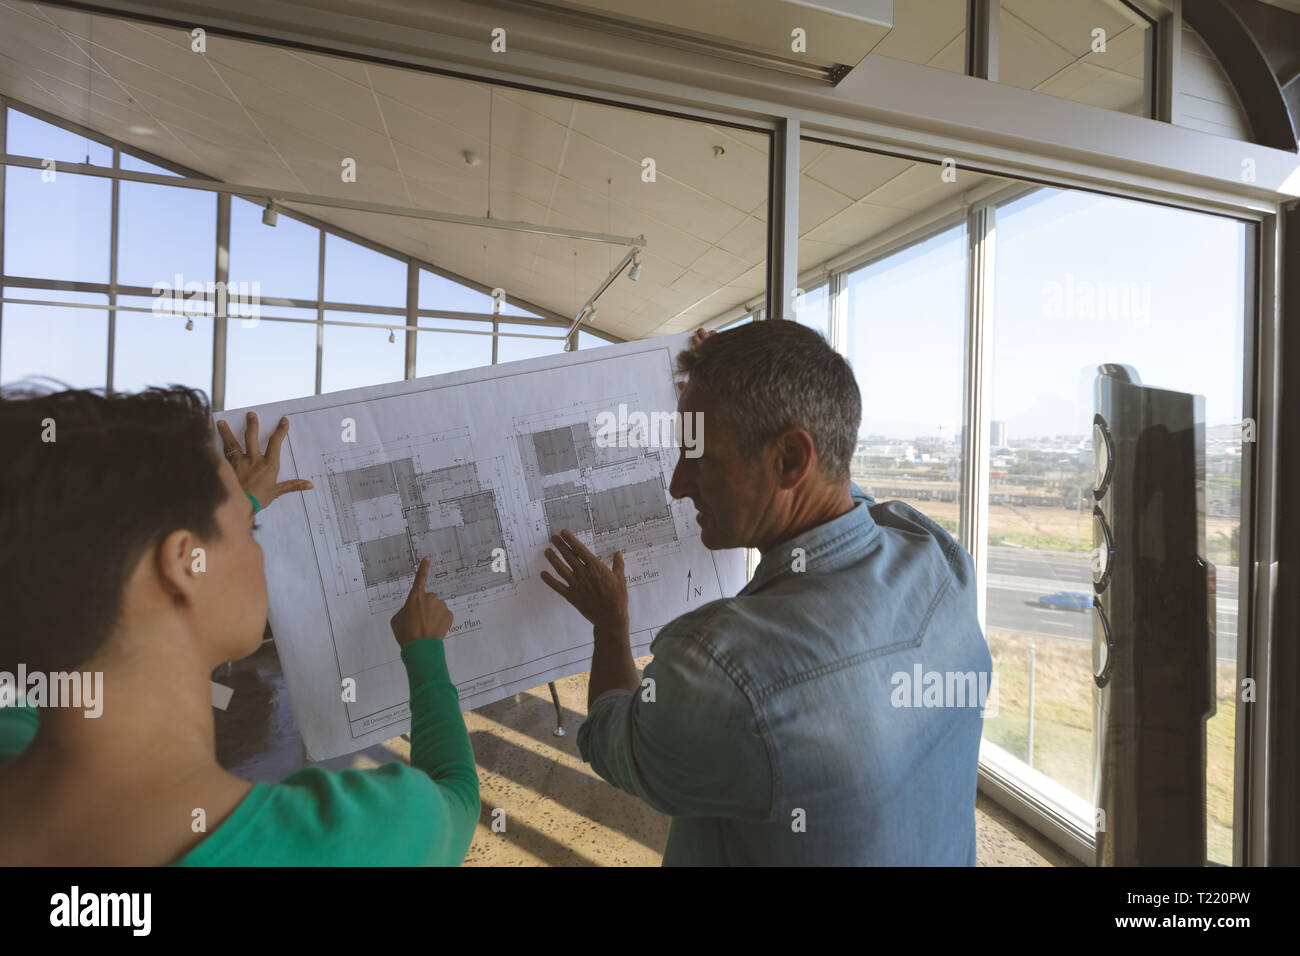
189, 325
269, 215
391, 336
635, 272
591, 315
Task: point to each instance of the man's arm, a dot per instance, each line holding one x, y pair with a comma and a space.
687, 740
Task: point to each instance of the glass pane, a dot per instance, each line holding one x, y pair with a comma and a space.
165, 235
155, 348
1089, 51
906, 316
1082, 280
588, 341
513, 349
930, 32
129, 162
66, 344
270, 361
59, 229
438, 352
813, 309
437, 292
283, 259
27, 136
355, 274
355, 356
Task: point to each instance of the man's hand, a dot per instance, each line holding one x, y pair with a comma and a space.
598, 593
257, 473
423, 615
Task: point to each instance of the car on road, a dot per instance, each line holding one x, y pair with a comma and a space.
1065, 601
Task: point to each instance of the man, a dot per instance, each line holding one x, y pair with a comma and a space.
830, 713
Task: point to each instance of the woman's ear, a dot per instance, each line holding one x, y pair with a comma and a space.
180, 559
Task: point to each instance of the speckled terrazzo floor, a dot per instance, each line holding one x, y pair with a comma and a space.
549, 808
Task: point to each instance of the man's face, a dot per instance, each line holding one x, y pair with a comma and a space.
731, 493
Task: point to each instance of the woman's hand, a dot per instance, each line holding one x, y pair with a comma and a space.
597, 593
423, 615
699, 336
257, 473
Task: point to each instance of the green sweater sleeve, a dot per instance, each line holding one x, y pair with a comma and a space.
395, 815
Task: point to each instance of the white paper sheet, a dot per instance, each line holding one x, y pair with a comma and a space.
457, 466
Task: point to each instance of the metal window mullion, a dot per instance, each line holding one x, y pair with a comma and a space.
977, 414
783, 218
839, 305
221, 272
412, 314
982, 18
1165, 62
320, 310
1256, 648
112, 277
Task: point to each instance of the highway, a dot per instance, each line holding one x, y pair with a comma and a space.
1017, 576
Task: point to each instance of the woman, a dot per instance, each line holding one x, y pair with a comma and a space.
127, 548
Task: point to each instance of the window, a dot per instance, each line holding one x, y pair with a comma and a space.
511, 349
68, 345
283, 259
156, 348
164, 232
438, 352
361, 276
1090, 51
906, 316
28, 136
270, 361
1081, 280
81, 209
354, 356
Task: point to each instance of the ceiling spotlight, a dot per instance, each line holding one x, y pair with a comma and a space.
391, 336
471, 159
269, 215
591, 315
635, 272
189, 325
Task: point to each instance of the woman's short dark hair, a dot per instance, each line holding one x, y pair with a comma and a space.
87, 482
769, 375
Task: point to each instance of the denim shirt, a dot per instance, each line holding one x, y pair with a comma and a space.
829, 713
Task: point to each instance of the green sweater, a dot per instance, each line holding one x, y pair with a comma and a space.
395, 815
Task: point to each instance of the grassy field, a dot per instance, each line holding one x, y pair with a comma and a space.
1063, 723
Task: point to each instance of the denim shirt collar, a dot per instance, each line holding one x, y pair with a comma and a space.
825, 547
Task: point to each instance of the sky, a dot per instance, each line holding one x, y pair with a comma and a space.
1166, 284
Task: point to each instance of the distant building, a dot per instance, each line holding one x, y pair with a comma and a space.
997, 434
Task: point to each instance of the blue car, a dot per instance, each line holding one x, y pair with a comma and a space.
1066, 601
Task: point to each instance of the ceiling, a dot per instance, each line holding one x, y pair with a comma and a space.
254, 114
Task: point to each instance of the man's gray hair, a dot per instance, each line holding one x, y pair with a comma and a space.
769, 375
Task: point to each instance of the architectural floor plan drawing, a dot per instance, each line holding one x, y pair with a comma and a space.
475, 470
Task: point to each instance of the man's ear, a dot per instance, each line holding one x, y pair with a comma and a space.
180, 559
796, 456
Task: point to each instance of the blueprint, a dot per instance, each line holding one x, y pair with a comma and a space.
474, 469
